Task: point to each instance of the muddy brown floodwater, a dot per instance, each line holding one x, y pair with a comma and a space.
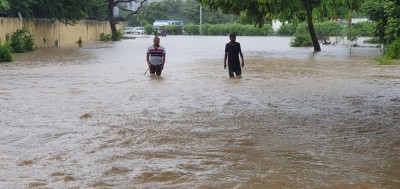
89, 118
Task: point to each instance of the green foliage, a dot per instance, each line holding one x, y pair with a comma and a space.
6, 52
79, 42
328, 28
392, 29
192, 29
365, 29
117, 35
65, 11
148, 29
302, 28
383, 60
301, 40
393, 50
4, 6
373, 40
321, 28
174, 30
287, 30
352, 34
109, 37
22, 41
225, 29
186, 11
387, 16
105, 37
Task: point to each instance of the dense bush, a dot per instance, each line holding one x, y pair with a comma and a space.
301, 40
174, 30
287, 30
118, 35
365, 29
301, 28
192, 29
225, 29
22, 41
105, 37
328, 28
321, 28
148, 29
6, 52
393, 50
373, 40
352, 34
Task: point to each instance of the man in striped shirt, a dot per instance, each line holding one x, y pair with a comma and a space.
156, 57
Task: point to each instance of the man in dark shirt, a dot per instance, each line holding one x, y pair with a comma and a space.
232, 52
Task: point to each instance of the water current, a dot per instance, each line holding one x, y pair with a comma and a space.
89, 117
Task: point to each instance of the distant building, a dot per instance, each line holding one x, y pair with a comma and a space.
160, 23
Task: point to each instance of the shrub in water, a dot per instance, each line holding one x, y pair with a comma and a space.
192, 29
301, 40
148, 29
5, 52
105, 37
328, 28
287, 30
22, 41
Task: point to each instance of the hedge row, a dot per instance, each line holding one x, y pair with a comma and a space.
364, 29
216, 30
322, 29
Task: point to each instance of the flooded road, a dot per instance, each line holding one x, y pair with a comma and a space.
90, 118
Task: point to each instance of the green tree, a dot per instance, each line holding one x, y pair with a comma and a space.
352, 6
392, 29
261, 11
151, 12
186, 11
114, 20
375, 10
65, 11
387, 15
22, 6
4, 6
70, 12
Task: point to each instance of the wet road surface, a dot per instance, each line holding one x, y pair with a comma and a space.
89, 118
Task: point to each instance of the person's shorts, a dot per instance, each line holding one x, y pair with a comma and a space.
156, 69
234, 68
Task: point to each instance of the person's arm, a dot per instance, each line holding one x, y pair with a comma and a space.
241, 56
226, 56
163, 61
148, 59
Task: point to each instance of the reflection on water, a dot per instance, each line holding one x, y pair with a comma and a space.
296, 119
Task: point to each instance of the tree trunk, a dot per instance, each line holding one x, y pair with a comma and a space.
114, 34
349, 19
113, 23
311, 28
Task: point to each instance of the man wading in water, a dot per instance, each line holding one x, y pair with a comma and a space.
232, 52
156, 57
